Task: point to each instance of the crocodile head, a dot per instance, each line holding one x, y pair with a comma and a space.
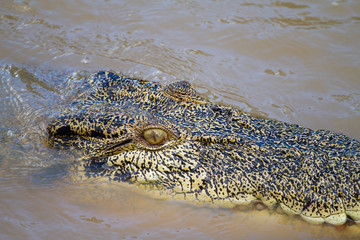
134, 130
173, 140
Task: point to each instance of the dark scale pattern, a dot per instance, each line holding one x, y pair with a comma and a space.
208, 153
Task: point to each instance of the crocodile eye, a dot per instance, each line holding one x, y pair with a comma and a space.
155, 136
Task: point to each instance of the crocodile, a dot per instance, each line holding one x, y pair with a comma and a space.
173, 141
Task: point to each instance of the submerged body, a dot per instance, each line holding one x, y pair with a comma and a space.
171, 139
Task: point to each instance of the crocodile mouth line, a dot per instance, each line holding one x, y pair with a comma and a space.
112, 148
120, 144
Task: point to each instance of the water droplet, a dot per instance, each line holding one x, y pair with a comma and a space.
85, 60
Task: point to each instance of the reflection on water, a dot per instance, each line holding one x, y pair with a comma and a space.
294, 61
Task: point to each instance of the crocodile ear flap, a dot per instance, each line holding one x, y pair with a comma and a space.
183, 91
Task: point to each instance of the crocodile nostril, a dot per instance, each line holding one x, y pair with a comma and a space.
61, 131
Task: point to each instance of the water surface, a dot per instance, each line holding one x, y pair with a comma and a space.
294, 61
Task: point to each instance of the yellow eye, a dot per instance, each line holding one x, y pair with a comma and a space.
155, 136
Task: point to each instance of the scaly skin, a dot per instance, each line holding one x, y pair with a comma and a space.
172, 140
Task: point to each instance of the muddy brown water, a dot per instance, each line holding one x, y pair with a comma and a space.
295, 61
